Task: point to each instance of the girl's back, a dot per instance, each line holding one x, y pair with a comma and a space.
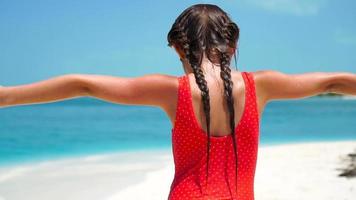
189, 141
219, 116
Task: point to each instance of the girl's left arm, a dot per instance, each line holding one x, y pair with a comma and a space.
152, 89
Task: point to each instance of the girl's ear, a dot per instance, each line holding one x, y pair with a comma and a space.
233, 51
179, 51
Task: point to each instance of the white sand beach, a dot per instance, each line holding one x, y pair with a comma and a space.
289, 171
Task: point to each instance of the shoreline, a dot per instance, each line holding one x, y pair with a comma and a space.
305, 169
75, 156
118, 152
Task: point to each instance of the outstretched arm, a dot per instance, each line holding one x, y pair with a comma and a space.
152, 89
54, 89
271, 84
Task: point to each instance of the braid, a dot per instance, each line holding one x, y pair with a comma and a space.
200, 80
195, 63
225, 74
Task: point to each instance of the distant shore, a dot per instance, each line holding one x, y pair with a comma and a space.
330, 94
335, 95
287, 171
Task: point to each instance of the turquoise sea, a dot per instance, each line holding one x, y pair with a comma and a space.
85, 126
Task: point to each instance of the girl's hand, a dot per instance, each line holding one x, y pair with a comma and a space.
1, 96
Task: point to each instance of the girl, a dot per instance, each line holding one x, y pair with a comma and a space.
215, 111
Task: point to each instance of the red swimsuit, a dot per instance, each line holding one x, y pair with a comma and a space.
189, 142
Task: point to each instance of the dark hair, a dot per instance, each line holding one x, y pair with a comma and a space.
205, 29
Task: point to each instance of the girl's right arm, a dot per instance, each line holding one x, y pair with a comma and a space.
50, 90
271, 84
151, 89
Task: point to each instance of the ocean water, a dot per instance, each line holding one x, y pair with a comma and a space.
85, 126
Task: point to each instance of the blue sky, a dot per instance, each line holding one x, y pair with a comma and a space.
41, 39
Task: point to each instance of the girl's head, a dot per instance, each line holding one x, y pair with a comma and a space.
206, 31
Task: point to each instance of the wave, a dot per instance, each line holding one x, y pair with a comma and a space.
349, 97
